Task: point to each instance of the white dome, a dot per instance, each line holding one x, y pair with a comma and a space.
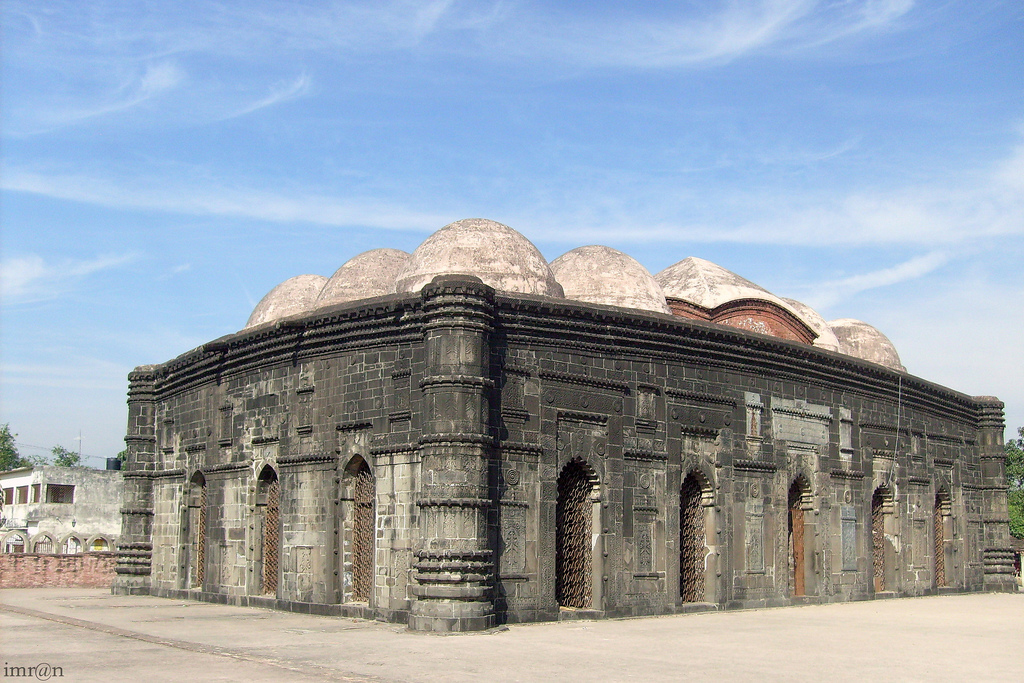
709, 285
493, 252
602, 275
826, 337
294, 295
859, 339
372, 273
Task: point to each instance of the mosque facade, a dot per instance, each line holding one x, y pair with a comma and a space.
468, 435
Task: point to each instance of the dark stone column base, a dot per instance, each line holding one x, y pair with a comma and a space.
451, 616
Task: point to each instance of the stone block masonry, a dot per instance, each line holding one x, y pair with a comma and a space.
460, 457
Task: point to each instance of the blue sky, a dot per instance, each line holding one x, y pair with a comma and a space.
164, 165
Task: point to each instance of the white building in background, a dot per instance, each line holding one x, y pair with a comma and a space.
63, 510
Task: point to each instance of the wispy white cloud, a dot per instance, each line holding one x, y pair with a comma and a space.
971, 204
967, 204
153, 81
720, 32
106, 60
825, 294
282, 92
208, 199
631, 36
25, 279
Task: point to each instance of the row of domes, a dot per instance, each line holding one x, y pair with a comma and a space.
507, 261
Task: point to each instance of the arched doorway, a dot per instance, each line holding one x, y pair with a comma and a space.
197, 530
573, 520
15, 542
881, 504
799, 491
268, 499
940, 515
44, 545
692, 543
364, 518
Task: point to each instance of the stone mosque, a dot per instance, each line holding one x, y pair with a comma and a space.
469, 435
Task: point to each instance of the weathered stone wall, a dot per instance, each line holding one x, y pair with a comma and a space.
466, 406
32, 570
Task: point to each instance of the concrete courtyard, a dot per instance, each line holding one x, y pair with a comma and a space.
90, 635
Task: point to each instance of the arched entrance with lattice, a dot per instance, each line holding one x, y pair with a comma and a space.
268, 504
942, 522
195, 532
799, 500
43, 544
573, 529
692, 538
881, 509
362, 528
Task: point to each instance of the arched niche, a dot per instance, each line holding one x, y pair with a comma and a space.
359, 511
696, 526
268, 531
883, 553
800, 538
574, 530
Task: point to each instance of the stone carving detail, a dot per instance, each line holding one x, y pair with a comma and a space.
513, 539
754, 412
700, 420
754, 535
226, 578
799, 421
974, 537
513, 394
848, 531
919, 542
582, 439
646, 405
511, 476
580, 400
303, 559
644, 548
401, 393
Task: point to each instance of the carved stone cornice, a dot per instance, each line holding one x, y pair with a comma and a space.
754, 466
584, 380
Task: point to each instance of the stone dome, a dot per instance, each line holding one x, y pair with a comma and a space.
826, 337
372, 273
602, 275
294, 295
710, 285
863, 341
493, 252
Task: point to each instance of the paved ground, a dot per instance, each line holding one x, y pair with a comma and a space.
94, 636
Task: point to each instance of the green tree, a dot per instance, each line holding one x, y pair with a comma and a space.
1015, 481
123, 455
10, 459
62, 457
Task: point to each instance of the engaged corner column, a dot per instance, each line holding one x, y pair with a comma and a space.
454, 568
997, 553
135, 546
